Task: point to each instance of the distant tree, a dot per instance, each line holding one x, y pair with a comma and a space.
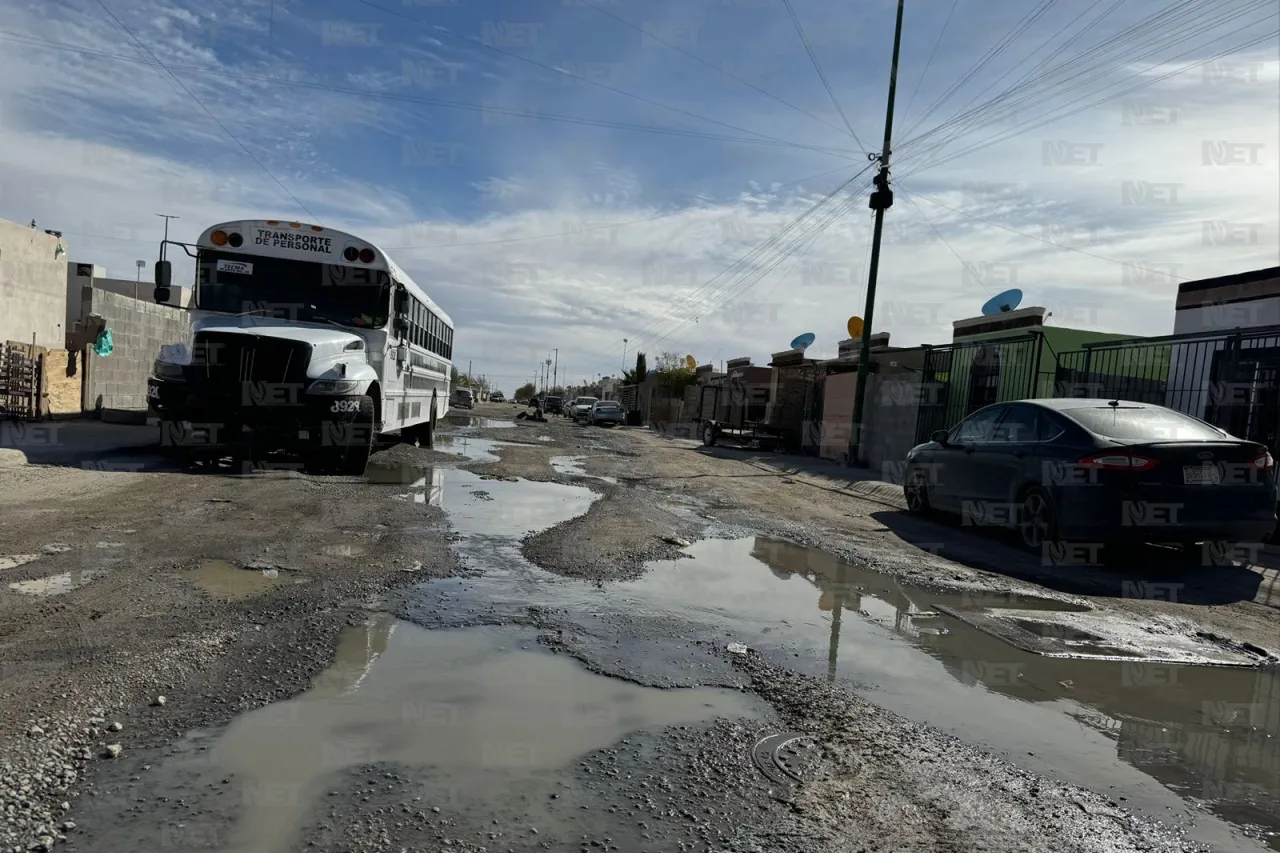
635, 377
673, 371
525, 391
456, 379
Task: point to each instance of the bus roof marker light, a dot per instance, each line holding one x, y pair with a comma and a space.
351, 253
316, 228
219, 238
235, 240
295, 224
366, 256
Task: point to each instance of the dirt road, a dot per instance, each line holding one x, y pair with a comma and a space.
548, 636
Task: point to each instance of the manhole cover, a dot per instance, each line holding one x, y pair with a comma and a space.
788, 757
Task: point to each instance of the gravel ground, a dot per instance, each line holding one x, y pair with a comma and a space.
76, 664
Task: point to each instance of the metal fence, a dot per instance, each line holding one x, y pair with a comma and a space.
20, 368
960, 378
1230, 379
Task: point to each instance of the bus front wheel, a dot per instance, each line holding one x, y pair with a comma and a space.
350, 457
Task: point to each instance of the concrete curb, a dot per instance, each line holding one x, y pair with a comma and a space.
10, 458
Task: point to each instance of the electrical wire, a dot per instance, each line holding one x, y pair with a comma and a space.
210, 114
963, 263
710, 287
437, 102
1032, 125
1086, 63
929, 61
1193, 28
649, 35
1040, 239
813, 57
537, 64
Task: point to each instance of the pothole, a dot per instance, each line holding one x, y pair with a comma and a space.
228, 581
55, 584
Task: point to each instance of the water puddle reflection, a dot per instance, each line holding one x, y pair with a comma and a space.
229, 582
57, 584
572, 466
12, 561
477, 422
480, 705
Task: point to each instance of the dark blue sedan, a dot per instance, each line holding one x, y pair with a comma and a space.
1101, 471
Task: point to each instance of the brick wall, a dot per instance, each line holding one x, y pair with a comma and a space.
118, 382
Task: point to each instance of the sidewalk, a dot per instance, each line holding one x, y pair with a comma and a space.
70, 442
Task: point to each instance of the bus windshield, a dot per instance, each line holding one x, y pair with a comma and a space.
296, 290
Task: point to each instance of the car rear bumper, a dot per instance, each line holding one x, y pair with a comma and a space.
1229, 515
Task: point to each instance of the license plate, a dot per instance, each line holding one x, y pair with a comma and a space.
1201, 475
153, 393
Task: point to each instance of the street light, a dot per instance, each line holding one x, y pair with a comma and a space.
138, 279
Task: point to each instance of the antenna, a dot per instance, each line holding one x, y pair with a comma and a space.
1002, 302
803, 342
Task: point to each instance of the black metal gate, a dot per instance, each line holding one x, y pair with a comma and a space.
960, 378
1230, 379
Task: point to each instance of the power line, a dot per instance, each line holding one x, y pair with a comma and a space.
711, 65
821, 75
209, 113
929, 61
438, 102
963, 263
1028, 126
472, 40
1034, 237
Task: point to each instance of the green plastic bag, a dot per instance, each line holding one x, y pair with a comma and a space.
103, 345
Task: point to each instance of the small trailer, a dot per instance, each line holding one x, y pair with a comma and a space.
734, 411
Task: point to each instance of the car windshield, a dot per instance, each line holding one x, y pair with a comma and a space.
606, 405
1143, 424
553, 399
292, 290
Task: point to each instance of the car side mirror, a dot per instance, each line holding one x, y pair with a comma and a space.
940, 436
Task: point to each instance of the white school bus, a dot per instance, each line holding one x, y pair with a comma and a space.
304, 339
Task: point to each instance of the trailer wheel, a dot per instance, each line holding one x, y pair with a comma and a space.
709, 435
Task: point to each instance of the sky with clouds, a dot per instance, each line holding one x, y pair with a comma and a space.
569, 173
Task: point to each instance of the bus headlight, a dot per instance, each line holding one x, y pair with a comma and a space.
333, 386
165, 370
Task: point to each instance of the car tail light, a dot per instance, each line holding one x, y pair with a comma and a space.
1265, 462
1118, 462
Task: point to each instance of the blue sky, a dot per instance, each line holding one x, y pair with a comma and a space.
543, 210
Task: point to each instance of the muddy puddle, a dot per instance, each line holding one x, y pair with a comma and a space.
58, 584
479, 706
572, 466
477, 422
225, 580
12, 561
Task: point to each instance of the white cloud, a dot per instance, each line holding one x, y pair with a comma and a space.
587, 236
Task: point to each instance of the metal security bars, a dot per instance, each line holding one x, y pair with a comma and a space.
1230, 379
960, 378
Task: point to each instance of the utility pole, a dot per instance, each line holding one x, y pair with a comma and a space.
469, 373
555, 376
881, 200
624, 355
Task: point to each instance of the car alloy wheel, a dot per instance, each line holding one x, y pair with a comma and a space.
1035, 520
917, 492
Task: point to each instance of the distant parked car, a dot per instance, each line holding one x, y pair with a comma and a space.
1099, 471
582, 407
606, 413
497, 397
555, 406
463, 398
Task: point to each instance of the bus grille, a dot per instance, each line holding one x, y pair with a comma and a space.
227, 361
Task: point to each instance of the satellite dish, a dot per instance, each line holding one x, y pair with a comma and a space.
855, 327
1002, 302
690, 362
804, 341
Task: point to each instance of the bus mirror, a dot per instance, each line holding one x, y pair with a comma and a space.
401, 325
402, 301
164, 277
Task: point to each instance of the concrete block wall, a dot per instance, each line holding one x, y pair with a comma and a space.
893, 402
33, 286
118, 382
